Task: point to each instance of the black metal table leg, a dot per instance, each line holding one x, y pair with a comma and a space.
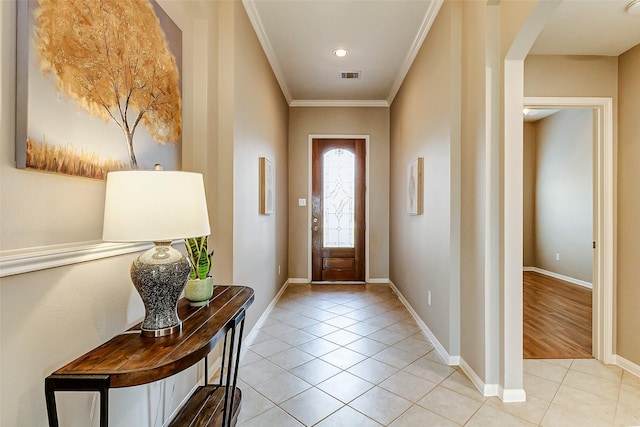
227, 409
235, 373
99, 383
50, 397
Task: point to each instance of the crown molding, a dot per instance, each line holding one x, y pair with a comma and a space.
339, 103
427, 22
254, 17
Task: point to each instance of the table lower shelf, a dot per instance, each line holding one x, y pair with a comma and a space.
205, 407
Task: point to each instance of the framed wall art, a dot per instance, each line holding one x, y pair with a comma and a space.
267, 187
414, 186
98, 87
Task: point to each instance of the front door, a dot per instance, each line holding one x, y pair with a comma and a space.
338, 204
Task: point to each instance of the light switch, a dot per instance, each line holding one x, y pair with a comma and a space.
302, 202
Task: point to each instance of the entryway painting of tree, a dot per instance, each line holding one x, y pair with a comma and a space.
102, 89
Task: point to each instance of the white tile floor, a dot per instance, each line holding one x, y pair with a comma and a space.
339, 355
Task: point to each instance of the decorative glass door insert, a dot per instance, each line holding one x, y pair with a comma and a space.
338, 214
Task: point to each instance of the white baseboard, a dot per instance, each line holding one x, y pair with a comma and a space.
487, 390
512, 395
337, 282
381, 280
254, 331
559, 276
626, 364
298, 280
451, 360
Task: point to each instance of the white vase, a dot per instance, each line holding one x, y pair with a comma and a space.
199, 291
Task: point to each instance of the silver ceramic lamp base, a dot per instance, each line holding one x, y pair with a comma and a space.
159, 276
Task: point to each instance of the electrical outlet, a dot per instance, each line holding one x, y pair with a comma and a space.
557, 256
429, 297
302, 202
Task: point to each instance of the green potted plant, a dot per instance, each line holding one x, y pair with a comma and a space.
199, 288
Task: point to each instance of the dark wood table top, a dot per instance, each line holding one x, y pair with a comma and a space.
131, 359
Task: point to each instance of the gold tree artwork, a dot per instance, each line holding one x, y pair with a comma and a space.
112, 57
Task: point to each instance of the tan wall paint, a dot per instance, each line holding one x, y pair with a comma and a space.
372, 121
529, 195
49, 317
425, 123
571, 76
627, 290
602, 76
473, 191
260, 130
564, 194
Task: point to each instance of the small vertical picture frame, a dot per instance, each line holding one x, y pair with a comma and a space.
414, 186
267, 187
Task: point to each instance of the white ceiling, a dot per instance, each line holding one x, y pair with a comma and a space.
384, 36
589, 27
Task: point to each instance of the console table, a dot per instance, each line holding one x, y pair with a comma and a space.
131, 359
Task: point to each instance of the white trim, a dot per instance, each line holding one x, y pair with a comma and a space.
604, 217
338, 282
39, 258
382, 280
254, 17
512, 395
377, 103
367, 168
451, 360
427, 22
626, 364
251, 336
486, 389
300, 280
559, 276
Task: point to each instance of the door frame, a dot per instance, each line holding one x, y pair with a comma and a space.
604, 214
310, 195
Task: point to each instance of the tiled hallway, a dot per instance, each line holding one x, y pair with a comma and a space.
352, 355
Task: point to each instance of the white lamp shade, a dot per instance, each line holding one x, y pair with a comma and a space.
154, 206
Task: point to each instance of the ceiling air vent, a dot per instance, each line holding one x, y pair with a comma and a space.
350, 75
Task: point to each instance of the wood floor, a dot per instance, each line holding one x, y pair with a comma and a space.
557, 318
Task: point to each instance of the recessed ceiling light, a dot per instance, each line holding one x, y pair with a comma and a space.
340, 53
633, 8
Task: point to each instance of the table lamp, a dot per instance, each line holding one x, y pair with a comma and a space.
156, 206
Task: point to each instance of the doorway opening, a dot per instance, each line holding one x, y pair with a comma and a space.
338, 209
602, 216
558, 233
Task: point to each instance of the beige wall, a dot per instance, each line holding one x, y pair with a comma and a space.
571, 76
529, 195
613, 77
49, 317
260, 124
627, 289
372, 121
473, 188
564, 194
424, 251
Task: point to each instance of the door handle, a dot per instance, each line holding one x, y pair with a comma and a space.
315, 228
